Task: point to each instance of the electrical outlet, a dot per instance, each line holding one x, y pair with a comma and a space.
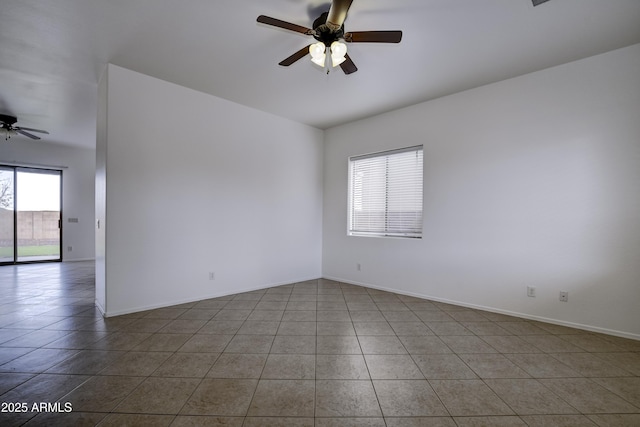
212, 275
69, 248
358, 267
564, 296
531, 291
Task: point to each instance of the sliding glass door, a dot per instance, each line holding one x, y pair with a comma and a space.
7, 218
30, 228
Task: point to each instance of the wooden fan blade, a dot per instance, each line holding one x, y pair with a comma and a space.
283, 24
338, 13
348, 66
373, 37
20, 131
296, 56
32, 130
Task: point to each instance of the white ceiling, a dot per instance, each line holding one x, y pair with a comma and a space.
52, 53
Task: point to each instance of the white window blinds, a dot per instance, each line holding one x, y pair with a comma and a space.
385, 193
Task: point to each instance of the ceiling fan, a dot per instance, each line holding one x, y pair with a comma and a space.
8, 128
328, 30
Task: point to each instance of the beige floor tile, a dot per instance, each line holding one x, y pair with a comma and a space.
551, 344
271, 305
496, 421
367, 316
292, 344
373, 328
628, 388
493, 366
290, 367
266, 315
410, 328
299, 316
590, 365
139, 363
338, 344
335, 328
228, 314
207, 421
258, 327
221, 397
283, 398
558, 421
392, 367
101, 394
587, 396
341, 367
162, 342
198, 313
528, 396
250, 344
159, 396
88, 362
591, 343
43, 388
542, 365
448, 328
278, 422
350, 422
626, 360
183, 326
386, 344
297, 328
78, 419
616, 420
509, 344
443, 367
333, 315
206, 343
420, 422
402, 398
346, 398
37, 360
11, 380
424, 345
469, 398
467, 344
235, 365
186, 365
221, 327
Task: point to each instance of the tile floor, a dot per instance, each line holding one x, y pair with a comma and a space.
318, 353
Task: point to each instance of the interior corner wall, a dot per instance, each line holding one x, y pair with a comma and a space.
533, 181
100, 182
194, 185
77, 165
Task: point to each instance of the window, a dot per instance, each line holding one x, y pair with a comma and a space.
385, 193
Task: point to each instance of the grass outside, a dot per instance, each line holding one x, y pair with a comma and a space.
24, 251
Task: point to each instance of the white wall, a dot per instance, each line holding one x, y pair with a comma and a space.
197, 184
77, 187
533, 181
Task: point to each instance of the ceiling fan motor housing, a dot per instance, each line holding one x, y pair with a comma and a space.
323, 33
8, 120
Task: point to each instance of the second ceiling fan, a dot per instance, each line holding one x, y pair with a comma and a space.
328, 30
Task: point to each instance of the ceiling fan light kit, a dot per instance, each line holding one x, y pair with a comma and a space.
8, 128
319, 56
317, 52
328, 30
